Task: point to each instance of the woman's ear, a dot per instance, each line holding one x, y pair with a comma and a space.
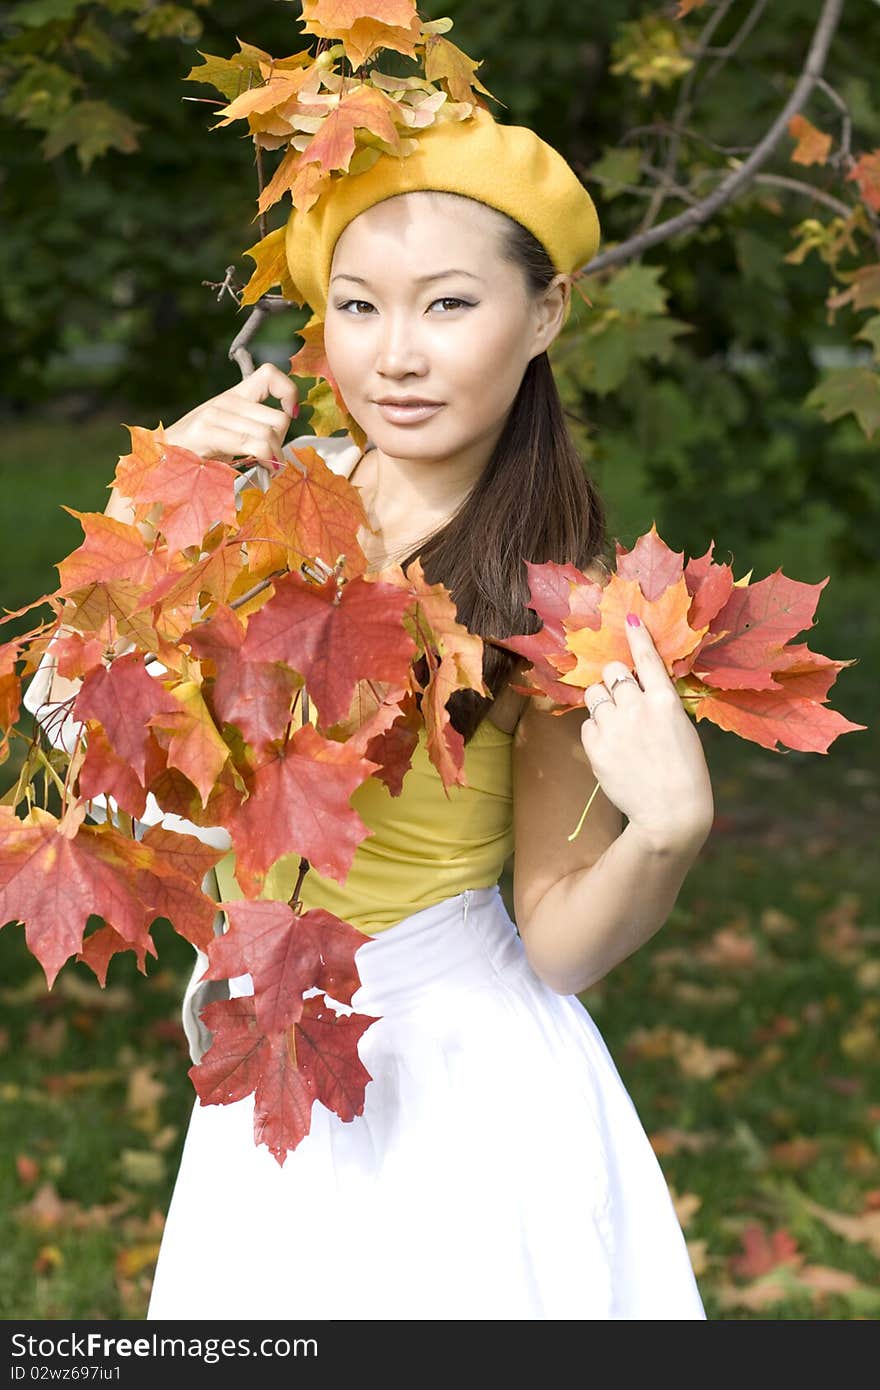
553, 310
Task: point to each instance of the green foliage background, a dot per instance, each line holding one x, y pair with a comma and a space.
104, 251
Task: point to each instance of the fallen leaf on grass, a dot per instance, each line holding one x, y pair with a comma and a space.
693, 1055
861, 1041
762, 1253
776, 923
143, 1230
730, 948
47, 1039
796, 1153
48, 1257
845, 1085
698, 1060
826, 1279
80, 990
767, 1059
780, 1026
47, 1208
144, 1092
868, 974
860, 1157
671, 1140
164, 1137
838, 931
686, 1204
776, 1270
672, 957
863, 1227
63, 1083
130, 1262
28, 1168
30, 991
705, 996
817, 1281
141, 1166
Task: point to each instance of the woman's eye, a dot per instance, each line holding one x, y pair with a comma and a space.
349, 302
446, 299
449, 299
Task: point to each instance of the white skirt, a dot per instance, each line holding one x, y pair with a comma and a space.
499, 1168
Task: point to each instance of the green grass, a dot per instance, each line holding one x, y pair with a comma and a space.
770, 953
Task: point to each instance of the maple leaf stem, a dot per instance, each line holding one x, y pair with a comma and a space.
257, 589
73, 766
577, 829
293, 901
301, 694
48, 768
16, 791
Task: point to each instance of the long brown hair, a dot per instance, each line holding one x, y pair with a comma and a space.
533, 501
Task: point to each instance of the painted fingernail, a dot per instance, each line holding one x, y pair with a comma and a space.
296, 410
633, 619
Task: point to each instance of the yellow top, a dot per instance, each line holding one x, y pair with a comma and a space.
426, 844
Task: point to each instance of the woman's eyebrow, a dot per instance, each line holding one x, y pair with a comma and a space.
419, 280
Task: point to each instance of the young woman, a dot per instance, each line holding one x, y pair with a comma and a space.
499, 1169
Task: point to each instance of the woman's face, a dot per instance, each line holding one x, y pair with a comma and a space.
462, 337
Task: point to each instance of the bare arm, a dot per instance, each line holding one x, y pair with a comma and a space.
584, 905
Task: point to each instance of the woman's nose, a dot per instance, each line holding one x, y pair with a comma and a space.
399, 346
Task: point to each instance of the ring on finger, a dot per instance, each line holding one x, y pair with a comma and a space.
603, 699
617, 679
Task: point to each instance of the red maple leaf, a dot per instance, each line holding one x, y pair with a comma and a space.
193, 493
121, 697
332, 638
761, 1253
285, 954
316, 1059
294, 795
55, 874
253, 695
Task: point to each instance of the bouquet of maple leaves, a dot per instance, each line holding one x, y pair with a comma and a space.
726, 643
244, 624
247, 625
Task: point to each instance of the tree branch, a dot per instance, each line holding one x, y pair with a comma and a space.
702, 211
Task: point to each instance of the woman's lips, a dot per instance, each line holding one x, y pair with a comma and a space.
407, 414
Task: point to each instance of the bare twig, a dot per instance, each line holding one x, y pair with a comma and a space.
682, 107
729, 49
238, 348
702, 211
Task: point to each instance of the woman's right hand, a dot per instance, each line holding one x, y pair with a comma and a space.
235, 423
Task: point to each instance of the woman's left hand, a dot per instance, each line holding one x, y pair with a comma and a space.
645, 750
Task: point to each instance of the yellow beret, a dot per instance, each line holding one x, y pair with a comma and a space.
507, 166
